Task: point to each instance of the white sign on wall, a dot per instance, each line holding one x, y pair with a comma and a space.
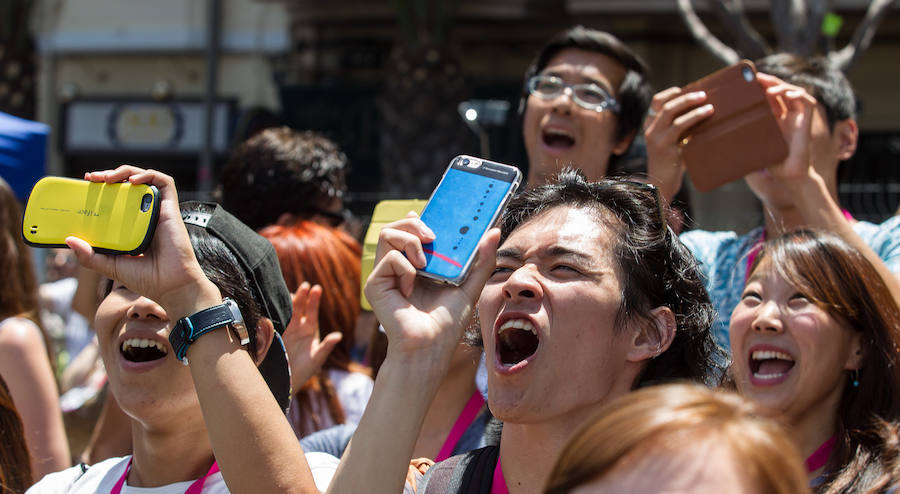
145, 126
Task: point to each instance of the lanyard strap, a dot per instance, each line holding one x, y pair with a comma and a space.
195, 488
465, 419
751, 256
820, 456
498, 486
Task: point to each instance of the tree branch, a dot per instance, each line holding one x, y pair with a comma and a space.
750, 43
720, 50
813, 32
862, 37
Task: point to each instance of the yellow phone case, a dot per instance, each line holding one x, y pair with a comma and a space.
114, 218
385, 212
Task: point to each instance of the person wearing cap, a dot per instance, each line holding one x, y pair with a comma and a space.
209, 293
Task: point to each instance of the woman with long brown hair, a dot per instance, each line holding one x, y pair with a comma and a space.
24, 355
816, 342
15, 466
322, 265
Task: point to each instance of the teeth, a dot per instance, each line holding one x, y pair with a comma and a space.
524, 324
768, 376
143, 343
770, 354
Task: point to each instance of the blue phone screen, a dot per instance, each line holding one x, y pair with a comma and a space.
459, 213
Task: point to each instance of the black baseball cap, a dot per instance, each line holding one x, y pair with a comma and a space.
260, 264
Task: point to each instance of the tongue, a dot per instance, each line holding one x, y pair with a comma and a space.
774, 366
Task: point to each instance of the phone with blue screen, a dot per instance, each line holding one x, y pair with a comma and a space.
468, 200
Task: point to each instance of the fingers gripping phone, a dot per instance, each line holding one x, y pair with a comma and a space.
468, 200
113, 218
740, 137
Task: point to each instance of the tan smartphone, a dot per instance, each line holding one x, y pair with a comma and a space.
741, 136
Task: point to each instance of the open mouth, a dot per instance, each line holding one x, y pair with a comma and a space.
557, 139
516, 341
143, 350
770, 364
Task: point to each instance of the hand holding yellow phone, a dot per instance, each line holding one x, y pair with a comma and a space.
117, 218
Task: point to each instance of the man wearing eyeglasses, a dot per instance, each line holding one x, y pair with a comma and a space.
583, 101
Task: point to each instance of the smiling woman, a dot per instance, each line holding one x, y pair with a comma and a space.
815, 340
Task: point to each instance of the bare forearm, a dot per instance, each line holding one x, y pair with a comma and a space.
251, 438
253, 443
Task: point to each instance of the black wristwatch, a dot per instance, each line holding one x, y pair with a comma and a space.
188, 329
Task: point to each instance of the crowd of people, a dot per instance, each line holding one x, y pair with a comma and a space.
591, 348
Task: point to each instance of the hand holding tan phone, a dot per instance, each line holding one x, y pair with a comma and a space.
740, 137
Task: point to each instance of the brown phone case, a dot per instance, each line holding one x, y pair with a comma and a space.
741, 136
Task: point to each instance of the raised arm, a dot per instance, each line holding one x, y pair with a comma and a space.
250, 436
812, 198
424, 322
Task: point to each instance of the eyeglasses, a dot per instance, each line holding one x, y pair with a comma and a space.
588, 96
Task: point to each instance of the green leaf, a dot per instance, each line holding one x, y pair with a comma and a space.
831, 24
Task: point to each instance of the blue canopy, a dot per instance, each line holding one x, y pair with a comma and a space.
23, 153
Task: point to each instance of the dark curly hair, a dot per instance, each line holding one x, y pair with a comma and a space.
281, 170
658, 270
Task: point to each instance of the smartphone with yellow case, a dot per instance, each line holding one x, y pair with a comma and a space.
115, 218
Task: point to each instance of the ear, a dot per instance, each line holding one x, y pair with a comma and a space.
652, 339
265, 333
622, 144
846, 133
855, 357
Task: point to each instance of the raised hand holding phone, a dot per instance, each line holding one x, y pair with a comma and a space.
468, 200
116, 218
167, 271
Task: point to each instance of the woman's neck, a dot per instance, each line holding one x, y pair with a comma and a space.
814, 427
165, 456
452, 395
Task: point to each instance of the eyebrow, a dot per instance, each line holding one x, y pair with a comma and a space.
554, 251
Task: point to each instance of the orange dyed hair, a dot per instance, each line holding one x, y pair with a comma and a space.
329, 257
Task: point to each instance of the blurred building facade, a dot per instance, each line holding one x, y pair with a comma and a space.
126, 81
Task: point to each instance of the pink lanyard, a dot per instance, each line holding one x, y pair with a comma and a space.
755, 250
465, 419
498, 486
195, 488
820, 456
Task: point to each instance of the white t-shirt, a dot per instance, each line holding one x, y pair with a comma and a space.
102, 477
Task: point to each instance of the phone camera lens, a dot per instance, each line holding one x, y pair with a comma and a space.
465, 161
146, 201
748, 74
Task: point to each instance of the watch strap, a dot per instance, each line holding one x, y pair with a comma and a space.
188, 329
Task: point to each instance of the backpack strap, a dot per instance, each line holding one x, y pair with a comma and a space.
470, 473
